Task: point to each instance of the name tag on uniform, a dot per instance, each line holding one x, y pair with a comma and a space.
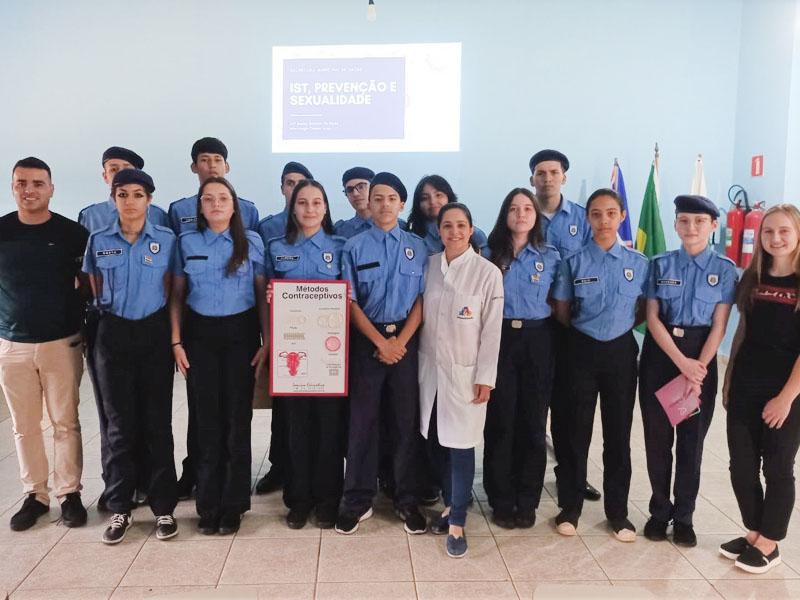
189, 219
669, 282
585, 280
112, 252
287, 258
364, 267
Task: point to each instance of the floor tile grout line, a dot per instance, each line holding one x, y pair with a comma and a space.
494, 539
21, 581
133, 560
225, 562
594, 558
319, 563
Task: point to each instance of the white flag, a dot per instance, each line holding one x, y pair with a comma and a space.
699, 178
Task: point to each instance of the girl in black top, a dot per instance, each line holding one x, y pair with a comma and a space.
761, 389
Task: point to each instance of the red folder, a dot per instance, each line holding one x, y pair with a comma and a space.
678, 400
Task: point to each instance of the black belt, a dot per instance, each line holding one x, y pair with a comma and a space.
389, 329
688, 331
525, 323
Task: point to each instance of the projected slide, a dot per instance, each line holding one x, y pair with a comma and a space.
376, 98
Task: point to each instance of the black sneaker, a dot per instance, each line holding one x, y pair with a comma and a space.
297, 518
26, 517
753, 561
591, 493
73, 514
504, 519
230, 523
166, 527
525, 518
208, 525
440, 525
734, 548
117, 528
185, 486
683, 535
655, 530
623, 529
326, 517
415, 523
347, 521
271, 482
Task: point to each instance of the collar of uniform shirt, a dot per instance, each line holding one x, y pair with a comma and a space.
315, 239
147, 230
598, 253
379, 234
701, 260
209, 235
565, 205
458, 261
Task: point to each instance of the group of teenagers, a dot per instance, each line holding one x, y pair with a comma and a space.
457, 339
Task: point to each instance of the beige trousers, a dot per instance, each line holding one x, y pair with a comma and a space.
49, 371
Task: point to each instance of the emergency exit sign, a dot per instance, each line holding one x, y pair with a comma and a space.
757, 166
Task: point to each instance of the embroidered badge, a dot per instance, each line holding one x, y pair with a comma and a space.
327, 257
189, 219
112, 252
539, 266
285, 258
535, 278
573, 230
713, 279
677, 282
409, 253
155, 247
148, 260
464, 313
628, 274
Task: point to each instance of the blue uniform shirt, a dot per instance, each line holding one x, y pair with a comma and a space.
355, 225
689, 288
203, 261
100, 215
273, 226
527, 283
433, 242
568, 230
133, 274
183, 214
386, 271
317, 257
604, 287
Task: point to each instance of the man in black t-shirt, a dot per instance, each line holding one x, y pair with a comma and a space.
41, 311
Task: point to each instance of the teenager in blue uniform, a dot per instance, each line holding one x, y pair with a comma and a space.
761, 391
515, 447
218, 309
597, 295
309, 250
386, 267
129, 265
564, 226
689, 298
209, 159
355, 184
430, 195
268, 228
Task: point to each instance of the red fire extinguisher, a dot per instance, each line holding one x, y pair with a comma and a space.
734, 223
752, 225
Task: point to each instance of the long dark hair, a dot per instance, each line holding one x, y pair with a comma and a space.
463, 208
417, 221
241, 247
292, 230
501, 245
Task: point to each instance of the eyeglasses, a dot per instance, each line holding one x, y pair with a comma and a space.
359, 187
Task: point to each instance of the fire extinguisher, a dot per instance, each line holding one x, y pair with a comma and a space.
752, 225
734, 223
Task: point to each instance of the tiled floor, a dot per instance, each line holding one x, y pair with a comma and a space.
268, 560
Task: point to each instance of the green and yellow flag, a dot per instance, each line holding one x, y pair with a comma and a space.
650, 235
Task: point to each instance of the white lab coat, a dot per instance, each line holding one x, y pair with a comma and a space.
459, 344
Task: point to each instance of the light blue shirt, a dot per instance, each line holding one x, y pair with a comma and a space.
203, 261
101, 214
183, 214
568, 230
433, 242
603, 287
527, 283
132, 275
317, 257
688, 288
355, 225
386, 271
273, 226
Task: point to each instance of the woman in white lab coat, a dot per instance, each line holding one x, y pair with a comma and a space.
459, 346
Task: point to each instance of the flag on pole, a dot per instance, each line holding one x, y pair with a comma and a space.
650, 235
699, 178
618, 185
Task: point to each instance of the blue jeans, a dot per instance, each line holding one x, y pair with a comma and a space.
455, 468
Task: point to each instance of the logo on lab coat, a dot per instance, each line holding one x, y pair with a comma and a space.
155, 247
713, 280
409, 253
628, 274
465, 313
573, 230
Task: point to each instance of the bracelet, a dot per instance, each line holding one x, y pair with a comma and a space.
177, 344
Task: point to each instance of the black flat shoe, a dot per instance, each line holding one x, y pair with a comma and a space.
208, 525
230, 523
655, 530
297, 518
683, 535
591, 493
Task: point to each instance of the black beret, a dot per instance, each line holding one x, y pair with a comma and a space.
209, 145
393, 181
357, 173
118, 153
544, 155
126, 176
696, 205
296, 167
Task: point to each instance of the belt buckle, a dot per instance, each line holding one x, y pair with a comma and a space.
678, 332
390, 328
516, 324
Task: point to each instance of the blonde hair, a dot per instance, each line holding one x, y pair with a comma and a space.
762, 260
